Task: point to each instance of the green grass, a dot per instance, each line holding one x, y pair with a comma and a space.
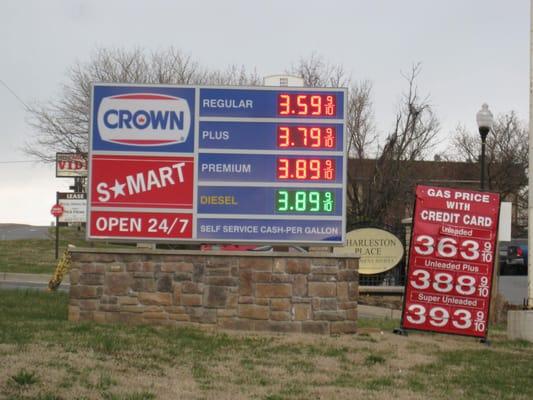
374, 359
37, 256
94, 359
24, 378
479, 374
383, 324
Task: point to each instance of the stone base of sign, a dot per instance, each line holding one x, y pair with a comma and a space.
520, 324
278, 292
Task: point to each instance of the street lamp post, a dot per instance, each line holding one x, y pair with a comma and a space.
484, 122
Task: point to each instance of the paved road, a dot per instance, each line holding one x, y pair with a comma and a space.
18, 231
10, 280
30, 285
513, 288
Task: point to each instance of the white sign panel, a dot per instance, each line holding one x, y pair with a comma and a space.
504, 227
75, 207
71, 165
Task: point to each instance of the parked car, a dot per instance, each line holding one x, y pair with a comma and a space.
513, 257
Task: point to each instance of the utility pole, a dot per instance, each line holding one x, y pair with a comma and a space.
520, 322
530, 167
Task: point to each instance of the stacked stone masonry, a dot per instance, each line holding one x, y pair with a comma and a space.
280, 292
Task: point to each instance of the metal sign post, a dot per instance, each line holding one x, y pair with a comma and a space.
57, 211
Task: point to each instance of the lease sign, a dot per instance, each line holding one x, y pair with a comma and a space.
451, 261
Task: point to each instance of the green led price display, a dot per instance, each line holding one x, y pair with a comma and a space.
305, 201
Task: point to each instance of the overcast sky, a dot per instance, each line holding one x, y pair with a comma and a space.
471, 52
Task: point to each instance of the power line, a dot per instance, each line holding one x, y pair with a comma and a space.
17, 161
15, 95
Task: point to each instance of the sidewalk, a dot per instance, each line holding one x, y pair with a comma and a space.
364, 311
38, 281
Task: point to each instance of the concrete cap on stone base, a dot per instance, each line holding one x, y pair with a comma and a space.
520, 325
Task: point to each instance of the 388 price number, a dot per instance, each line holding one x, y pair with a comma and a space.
448, 247
439, 317
444, 282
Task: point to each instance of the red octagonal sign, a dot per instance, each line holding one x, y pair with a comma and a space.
57, 210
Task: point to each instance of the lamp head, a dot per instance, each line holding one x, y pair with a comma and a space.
484, 120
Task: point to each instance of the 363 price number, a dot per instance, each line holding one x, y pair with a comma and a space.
448, 247
444, 282
439, 317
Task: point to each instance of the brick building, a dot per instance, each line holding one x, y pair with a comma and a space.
361, 173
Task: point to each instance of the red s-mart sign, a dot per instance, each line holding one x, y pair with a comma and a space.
451, 261
144, 197
142, 181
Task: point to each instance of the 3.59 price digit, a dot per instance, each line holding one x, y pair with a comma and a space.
298, 104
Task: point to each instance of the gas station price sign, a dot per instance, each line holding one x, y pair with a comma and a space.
217, 164
451, 261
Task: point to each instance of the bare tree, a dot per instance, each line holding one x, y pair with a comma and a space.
360, 120
507, 157
506, 152
63, 125
380, 199
234, 75
316, 72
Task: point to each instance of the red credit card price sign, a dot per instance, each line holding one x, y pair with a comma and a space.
451, 261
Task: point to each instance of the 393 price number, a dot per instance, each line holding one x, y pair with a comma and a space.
444, 282
448, 247
439, 317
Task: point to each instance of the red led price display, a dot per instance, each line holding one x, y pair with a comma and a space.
314, 137
306, 169
313, 105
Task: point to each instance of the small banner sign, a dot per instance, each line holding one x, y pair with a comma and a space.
57, 210
379, 249
451, 261
71, 165
74, 207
